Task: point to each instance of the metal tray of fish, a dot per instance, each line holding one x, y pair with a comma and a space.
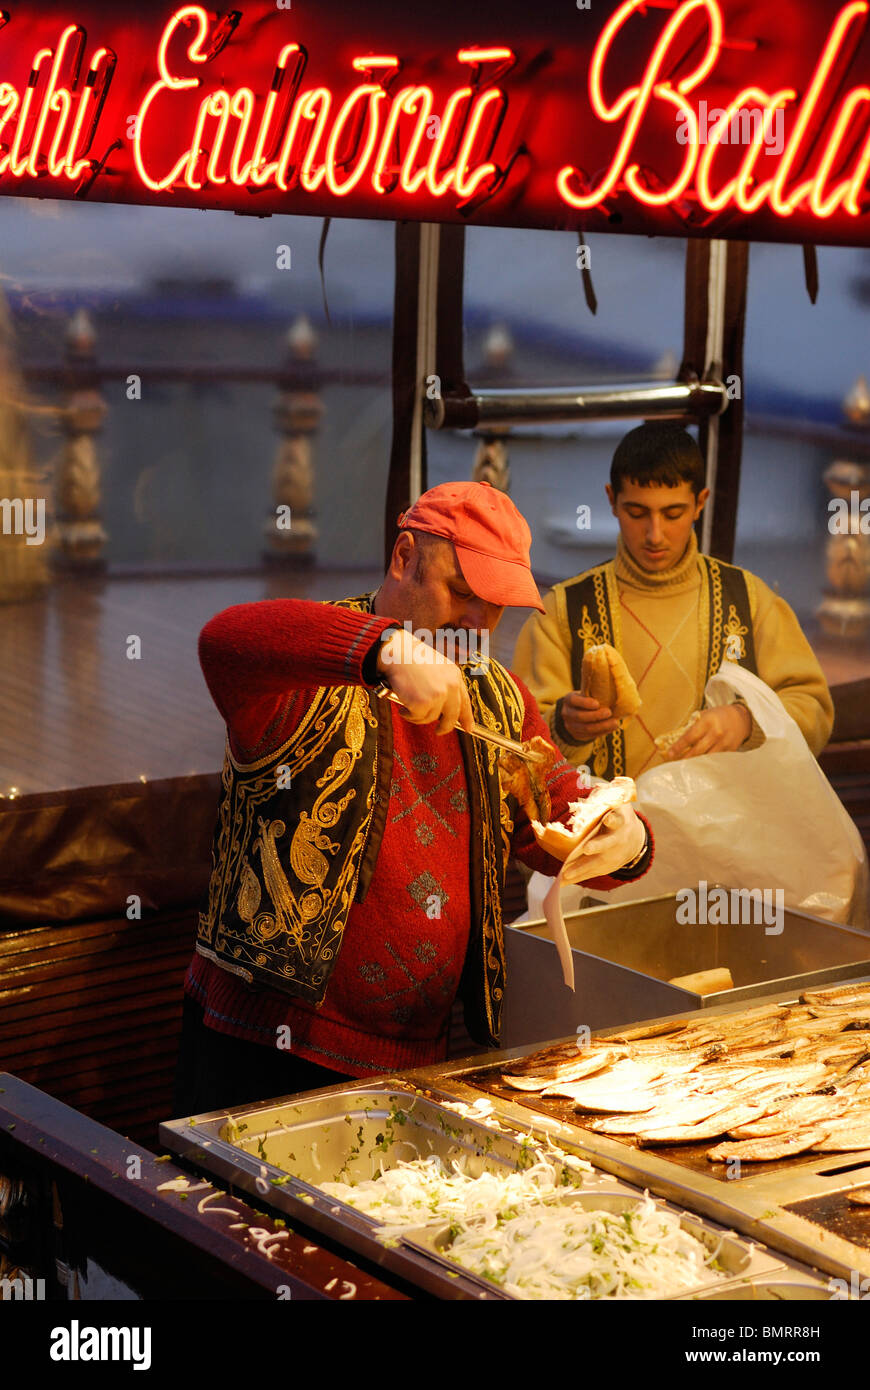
280, 1152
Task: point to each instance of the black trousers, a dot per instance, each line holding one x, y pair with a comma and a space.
217, 1072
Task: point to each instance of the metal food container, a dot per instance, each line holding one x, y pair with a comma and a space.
278, 1151
625, 954
767, 1290
735, 1258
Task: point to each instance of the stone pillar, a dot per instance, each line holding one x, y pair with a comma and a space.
289, 530
845, 610
491, 463
80, 533
24, 492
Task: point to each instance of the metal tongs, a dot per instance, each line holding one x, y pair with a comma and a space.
530, 755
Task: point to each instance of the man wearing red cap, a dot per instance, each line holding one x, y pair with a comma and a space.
360, 851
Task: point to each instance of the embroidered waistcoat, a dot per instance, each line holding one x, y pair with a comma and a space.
594, 616
299, 831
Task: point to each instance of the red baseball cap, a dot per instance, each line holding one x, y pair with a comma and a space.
491, 538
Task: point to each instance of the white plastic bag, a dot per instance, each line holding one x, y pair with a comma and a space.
766, 818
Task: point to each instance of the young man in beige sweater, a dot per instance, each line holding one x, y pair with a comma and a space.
675, 615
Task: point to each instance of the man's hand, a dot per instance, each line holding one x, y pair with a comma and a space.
721, 730
586, 719
620, 838
428, 684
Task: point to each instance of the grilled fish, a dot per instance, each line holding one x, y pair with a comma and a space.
794, 1114
525, 1083
848, 1133
583, 1064
719, 1123
845, 1141
854, 994
664, 1116
852, 1013
618, 1102
650, 1030
539, 1063
777, 1080
623, 1076
764, 1150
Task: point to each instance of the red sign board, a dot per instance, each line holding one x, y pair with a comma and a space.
674, 117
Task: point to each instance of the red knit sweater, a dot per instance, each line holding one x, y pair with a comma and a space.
403, 949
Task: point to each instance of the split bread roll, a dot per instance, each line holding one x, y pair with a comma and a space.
586, 817
605, 677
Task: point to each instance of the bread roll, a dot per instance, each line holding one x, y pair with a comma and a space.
586, 817
606, 678
705, 981
665, 742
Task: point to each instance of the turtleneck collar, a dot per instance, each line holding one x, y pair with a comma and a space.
684, 572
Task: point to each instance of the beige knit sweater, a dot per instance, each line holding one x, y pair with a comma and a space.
664, 643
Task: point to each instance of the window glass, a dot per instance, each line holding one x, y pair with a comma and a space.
175, 447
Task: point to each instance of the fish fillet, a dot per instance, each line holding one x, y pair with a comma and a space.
648, 1030
622, 1076
687, 1112
795, 1114
845, 1142
764, 1150
838, 994
584, 1064
538, 1063
850, 1013
719, 1123
525, 1083
617, 1102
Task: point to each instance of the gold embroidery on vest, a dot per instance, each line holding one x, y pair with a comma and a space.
734, 632
510, 716
607, 592
599, 756
589, 632
286, 917
510, 720
608, 752
248, 900
703, 658
339, 710
715, 658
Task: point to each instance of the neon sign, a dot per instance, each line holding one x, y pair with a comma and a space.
59, 160
744, 188
497, 115
313, 140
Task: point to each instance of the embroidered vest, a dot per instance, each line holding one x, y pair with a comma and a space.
594, 615
299, 831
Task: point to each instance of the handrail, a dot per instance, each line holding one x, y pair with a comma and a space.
670, 400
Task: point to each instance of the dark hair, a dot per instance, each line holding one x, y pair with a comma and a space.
658, 452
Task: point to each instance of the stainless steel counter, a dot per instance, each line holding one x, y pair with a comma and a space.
281, 1151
